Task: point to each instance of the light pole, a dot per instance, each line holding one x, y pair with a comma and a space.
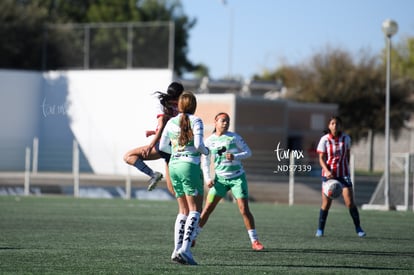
389, 27
230, 40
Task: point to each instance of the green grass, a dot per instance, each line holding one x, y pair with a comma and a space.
63, 235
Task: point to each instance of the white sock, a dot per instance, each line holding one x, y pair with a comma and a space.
179, 231
190, 228
252, 235
197, 231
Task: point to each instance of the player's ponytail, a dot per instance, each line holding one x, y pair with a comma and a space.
186, 133
187, 104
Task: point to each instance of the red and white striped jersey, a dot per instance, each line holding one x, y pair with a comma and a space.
336, 150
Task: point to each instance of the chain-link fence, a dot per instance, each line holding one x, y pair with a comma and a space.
109, 46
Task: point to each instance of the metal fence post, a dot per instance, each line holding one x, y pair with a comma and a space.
35, 158
75, 169
128, 185
291, 179
27, 173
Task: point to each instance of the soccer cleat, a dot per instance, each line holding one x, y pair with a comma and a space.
360, 232
319, 233
176, 258
187, 258
156, 177
256, 245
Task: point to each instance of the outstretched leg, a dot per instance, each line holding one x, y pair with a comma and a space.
136, 157
248, 220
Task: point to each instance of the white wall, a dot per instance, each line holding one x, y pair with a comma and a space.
110, 111
107, 111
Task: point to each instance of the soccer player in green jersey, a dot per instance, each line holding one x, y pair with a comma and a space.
227, 149
183, 138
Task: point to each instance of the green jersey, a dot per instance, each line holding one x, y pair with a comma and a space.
189, 152
228, 142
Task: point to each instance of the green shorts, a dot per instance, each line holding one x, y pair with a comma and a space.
187, 178
237, 185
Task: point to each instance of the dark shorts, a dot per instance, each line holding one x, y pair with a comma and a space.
163, 154
345, 181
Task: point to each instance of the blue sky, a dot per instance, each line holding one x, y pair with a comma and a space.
246, 37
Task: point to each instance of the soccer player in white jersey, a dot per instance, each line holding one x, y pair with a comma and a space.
167, 108
334, 151
183, 138
228, 149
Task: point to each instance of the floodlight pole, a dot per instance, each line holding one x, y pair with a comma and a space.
230, 41
389, 27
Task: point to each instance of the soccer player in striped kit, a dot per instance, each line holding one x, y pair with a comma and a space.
228, 149
334, 151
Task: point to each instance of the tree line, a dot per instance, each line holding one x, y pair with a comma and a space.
23, 24
356, 84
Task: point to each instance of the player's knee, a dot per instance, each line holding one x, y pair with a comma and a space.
129, 159
244, 211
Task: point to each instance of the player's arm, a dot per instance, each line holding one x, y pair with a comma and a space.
205, 166
322, 162
165, 141
348, 149
244, 150
162, 121
348, 155
198, 131
161, 125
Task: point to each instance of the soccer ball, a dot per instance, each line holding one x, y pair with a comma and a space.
332, 188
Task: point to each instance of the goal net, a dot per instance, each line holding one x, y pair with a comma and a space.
400, 191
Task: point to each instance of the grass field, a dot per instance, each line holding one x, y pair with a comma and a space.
63, 235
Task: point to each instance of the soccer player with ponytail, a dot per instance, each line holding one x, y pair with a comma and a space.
183, 138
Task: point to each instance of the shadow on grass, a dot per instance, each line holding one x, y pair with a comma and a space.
345, 252
330, 252
335, 252
319, 266
9, 248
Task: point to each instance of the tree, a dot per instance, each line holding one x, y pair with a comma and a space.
20, 35
402, 59
201, 71
358, 87
25, 20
